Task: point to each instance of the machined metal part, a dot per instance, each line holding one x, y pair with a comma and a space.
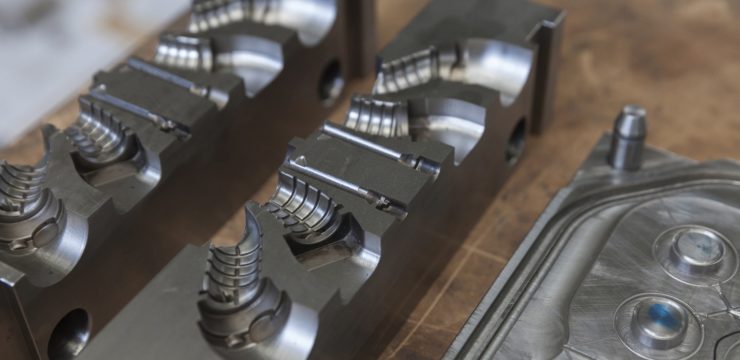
362, 212
238, 308
630, 131
638, 264
309, 214
30, 216
162, 154
377, 117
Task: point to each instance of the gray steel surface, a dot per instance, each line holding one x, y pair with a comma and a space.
364, 211
623, 264
163, 153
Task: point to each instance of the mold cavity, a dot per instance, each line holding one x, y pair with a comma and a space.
343, 244
312, 19
70, 335
331, 83
497, 65
316, 232
256, 60
515, 146
454, 122
109, 155
354, 254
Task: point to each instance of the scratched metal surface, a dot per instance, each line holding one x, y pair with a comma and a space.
675, 57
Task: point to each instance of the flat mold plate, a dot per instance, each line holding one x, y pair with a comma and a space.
621, 265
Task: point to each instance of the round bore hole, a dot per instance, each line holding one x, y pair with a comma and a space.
515, 147
331, 83
70, 335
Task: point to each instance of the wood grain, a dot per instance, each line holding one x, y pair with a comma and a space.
680, 59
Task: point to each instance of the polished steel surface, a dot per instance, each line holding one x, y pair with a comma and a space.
621, 265
162, 154
357, 217
658, 326
630, 130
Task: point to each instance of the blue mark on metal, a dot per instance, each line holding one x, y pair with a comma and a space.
661, 314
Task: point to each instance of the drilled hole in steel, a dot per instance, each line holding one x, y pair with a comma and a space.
515, 147
331, 83
70, 335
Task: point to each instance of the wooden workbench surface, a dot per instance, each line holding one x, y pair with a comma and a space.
679, 59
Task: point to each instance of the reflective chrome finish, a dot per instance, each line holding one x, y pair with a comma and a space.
363, 212
696, 255
377, 117
649, 322
161, 156
630, 130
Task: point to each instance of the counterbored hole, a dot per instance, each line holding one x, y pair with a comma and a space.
331, 83
515, 147
70, 335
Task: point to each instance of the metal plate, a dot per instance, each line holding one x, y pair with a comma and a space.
622, 264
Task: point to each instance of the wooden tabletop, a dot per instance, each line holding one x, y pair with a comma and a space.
680, 59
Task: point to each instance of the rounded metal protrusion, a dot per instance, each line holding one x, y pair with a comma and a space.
658, 327
45, 233
659, 323
628, 139
631, 122
696, 255
697, 251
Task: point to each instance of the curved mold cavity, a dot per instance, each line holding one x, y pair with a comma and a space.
377, 117
311, 19
492, 64
309, 215
109, 156
258, 61
184, 52
317, 232
497, 65
457, 123
351, 250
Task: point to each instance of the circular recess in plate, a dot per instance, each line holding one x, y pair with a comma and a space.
331, 83
696, 255
657, 326
70, 335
